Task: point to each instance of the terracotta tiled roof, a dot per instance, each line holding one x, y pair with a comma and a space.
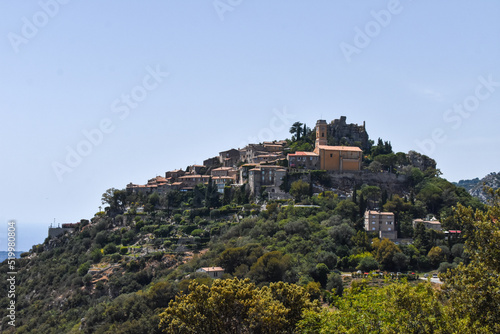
340, 148
194, 176
380, 213
222, 168
300, 153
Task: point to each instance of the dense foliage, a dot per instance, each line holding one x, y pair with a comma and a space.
236, 306
133, 266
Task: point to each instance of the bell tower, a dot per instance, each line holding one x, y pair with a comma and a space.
321, 132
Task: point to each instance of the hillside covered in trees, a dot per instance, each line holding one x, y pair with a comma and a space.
287, 263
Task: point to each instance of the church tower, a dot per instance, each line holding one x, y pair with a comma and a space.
321, 132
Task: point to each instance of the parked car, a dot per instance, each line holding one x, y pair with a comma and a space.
434, 275
426, 275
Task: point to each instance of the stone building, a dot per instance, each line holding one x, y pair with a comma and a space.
269, 176
432, 223
213, 272
307, 160
229, 158
325, 157
265, 152
381, 222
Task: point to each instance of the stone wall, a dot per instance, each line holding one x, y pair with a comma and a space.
57, 231
392, 183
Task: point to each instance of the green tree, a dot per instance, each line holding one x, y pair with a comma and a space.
436, 256
342, 234
473, 289
347, 209
84, 268
395, 308
335, 284
362, 242
371, 193
299, 189
384, 251
296, 129
270, 267
154, 199
236, 306
388, 161
415, 176
430, 194
320, 274
212, 199
231, 258
422, 238
400, 261
367, 264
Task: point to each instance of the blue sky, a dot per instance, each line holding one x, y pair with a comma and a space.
139, 88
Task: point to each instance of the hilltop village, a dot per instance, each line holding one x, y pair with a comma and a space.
267, 170
264, 166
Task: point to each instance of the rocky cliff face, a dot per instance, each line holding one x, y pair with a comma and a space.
475, 187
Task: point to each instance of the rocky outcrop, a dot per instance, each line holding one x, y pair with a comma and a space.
421, 161
342, 133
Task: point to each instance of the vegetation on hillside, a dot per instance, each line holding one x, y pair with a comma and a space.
133, 267
118, 272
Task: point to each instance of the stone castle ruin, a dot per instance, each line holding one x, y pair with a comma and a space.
341, 133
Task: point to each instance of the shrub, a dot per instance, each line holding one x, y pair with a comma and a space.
198, 232
444, 266
87, 279
335, 284
110, 249
84, 268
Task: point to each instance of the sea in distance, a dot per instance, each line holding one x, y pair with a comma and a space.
5, 255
